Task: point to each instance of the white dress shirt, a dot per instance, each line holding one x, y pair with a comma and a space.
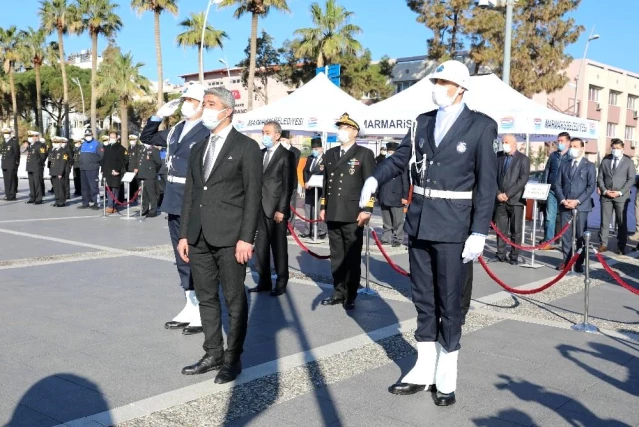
346, 150
270, 154
188, 125
223, 134
445, 119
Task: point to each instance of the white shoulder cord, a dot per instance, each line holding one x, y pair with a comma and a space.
419, 166
167, 159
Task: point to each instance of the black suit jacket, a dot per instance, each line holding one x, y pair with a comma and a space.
578, 186
277, 182
10, 154
149, 163
391, 193
514, 180
463, 161
226, 206
308, 172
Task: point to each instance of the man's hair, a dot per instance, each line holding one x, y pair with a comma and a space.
276, 126
581, 141
566, 134
225, 95
616, 141
113, 133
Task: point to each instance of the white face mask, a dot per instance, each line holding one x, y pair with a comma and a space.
7, 136
132, 142
31, 140
617, 153
575, 153
188, 110
88, 138
506, 148
112, 141
56, 145
441, 98
343, 136
209, 118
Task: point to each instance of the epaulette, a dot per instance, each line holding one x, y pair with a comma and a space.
323, 201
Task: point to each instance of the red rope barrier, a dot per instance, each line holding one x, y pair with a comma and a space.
614, 274
117, 202
301, 245
390, 262
310, 221
497, 280
529, 248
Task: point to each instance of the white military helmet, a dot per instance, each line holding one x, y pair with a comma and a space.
193, 91
452, 71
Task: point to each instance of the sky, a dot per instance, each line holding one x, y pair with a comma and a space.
389, 28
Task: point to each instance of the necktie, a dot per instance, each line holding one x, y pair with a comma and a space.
574, 168
267, 157
342, 152
507, 163
209, 156
614, 164
313, 163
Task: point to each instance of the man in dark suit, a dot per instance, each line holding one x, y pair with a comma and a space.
574, 187
449, 153
347, 167
10, 161
382, 155
315, 164
296, 154
393, 196
615, 179
513, 169
555, 160
113, 164
148, 167
277, 186
179, 141
222, 203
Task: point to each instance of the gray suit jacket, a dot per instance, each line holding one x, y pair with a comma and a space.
620, 180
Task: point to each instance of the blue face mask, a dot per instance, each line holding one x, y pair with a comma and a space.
315, 153
561, 147
267, 141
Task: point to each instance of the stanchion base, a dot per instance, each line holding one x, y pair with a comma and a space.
585, 327
535, 266
368, 291
128, 217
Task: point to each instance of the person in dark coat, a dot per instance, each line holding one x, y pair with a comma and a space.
10, 162
315, 164
296, 154
36, 159
91, 154
149, 166
382, 155
66, 146
77, 178
113, 166
393, 196
59, 160
132, 161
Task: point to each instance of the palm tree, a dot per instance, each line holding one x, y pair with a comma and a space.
331, 35
34, 47
256, 8
10, 57
61, 17
122, 76
98, 18
157, 7
193, 35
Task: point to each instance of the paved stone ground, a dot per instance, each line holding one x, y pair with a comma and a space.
84, 300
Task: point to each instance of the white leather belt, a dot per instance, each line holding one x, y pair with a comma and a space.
176, 179
441, 194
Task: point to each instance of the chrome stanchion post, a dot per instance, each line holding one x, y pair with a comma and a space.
128, 201
104, 198
574, 235
367, 289
534, 238
141, 200
315, 215
585, 326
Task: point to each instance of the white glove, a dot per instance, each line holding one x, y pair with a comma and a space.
370, 187
473, 248
168, 109
300, 191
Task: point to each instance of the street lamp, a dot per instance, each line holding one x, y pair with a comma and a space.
592, 37
206, 19
226, 64
508, 4
77, 81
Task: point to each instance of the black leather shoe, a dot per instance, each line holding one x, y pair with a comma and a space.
28, 202
621, 251
442, 399
38, 203
514, 262
501, 258
406, 389
205, 364
151, 215
349, 305
396, 244
278, 291
55, 205
192, 330
228, 372
332, 301
322, 236
579, 268
175, 325
95, 207
305, 236
83, 207
259, 289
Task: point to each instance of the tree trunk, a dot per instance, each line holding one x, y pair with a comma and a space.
251, 76
158, 54
14, 100
65, 84
94, 73
124, 121
39, 97
320, 60
200, 63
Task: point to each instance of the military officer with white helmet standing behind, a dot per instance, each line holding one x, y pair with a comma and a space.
449, 153
179, 140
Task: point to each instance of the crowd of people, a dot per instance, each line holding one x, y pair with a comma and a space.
228, 201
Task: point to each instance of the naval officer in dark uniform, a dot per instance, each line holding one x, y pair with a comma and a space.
10, 161
58, 166
36, 158
314, 166
449, 153
347, 168
179, 140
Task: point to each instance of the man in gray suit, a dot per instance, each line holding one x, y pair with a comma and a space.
616, 177
574, 187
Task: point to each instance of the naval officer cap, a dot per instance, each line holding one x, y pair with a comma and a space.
133, 137
454, 72
193, 91
6, 130
104, 137
346, 120
88, 132
33, 133
316, 142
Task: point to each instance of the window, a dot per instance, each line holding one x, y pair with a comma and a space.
613, 98
593, 93
611, 130
400, 86
630, 133
632, 102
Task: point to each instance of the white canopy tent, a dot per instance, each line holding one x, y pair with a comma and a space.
313, 108
513, 112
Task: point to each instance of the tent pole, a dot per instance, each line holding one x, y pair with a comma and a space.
528, 144
325, 141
